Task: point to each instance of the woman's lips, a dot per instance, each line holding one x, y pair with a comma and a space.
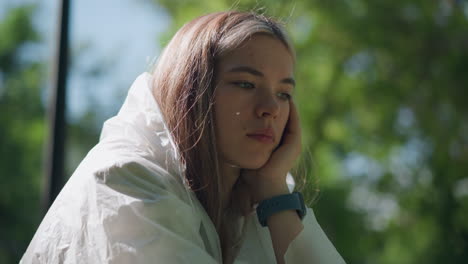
265, 135
262, 138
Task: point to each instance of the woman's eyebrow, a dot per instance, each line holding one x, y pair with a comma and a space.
255, 72
247, 69
290, 81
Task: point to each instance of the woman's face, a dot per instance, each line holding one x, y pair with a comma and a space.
254, 85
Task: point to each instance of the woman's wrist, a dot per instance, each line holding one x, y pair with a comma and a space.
292, 201
284, 227
271, 190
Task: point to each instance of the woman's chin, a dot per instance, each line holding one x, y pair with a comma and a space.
253, 164
249, 162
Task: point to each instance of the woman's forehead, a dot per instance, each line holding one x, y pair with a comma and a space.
262, 53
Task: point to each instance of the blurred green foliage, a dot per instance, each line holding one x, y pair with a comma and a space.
23, 130
21, 134
382, 92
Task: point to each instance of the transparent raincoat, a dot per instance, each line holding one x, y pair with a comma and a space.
127, 202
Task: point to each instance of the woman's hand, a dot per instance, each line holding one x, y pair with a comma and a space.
270, 180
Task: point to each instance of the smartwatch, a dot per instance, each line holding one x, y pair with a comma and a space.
292, 201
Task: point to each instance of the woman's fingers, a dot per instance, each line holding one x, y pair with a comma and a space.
293, 123
292, 131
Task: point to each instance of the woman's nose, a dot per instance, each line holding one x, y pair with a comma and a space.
267, 106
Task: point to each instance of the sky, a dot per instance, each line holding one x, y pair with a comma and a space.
121, 37
123, 34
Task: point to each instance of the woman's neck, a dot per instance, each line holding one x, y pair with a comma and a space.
230, 175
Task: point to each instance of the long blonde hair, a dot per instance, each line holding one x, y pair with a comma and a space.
184, 85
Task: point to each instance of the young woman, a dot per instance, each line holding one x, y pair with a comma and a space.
200, 143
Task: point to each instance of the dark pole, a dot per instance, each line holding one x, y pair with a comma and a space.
54, 165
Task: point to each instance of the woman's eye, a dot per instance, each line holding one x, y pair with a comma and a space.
284, 96
245, 85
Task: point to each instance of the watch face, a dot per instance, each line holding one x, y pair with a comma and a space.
293, 201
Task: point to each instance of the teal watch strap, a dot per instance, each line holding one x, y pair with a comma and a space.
293, 201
